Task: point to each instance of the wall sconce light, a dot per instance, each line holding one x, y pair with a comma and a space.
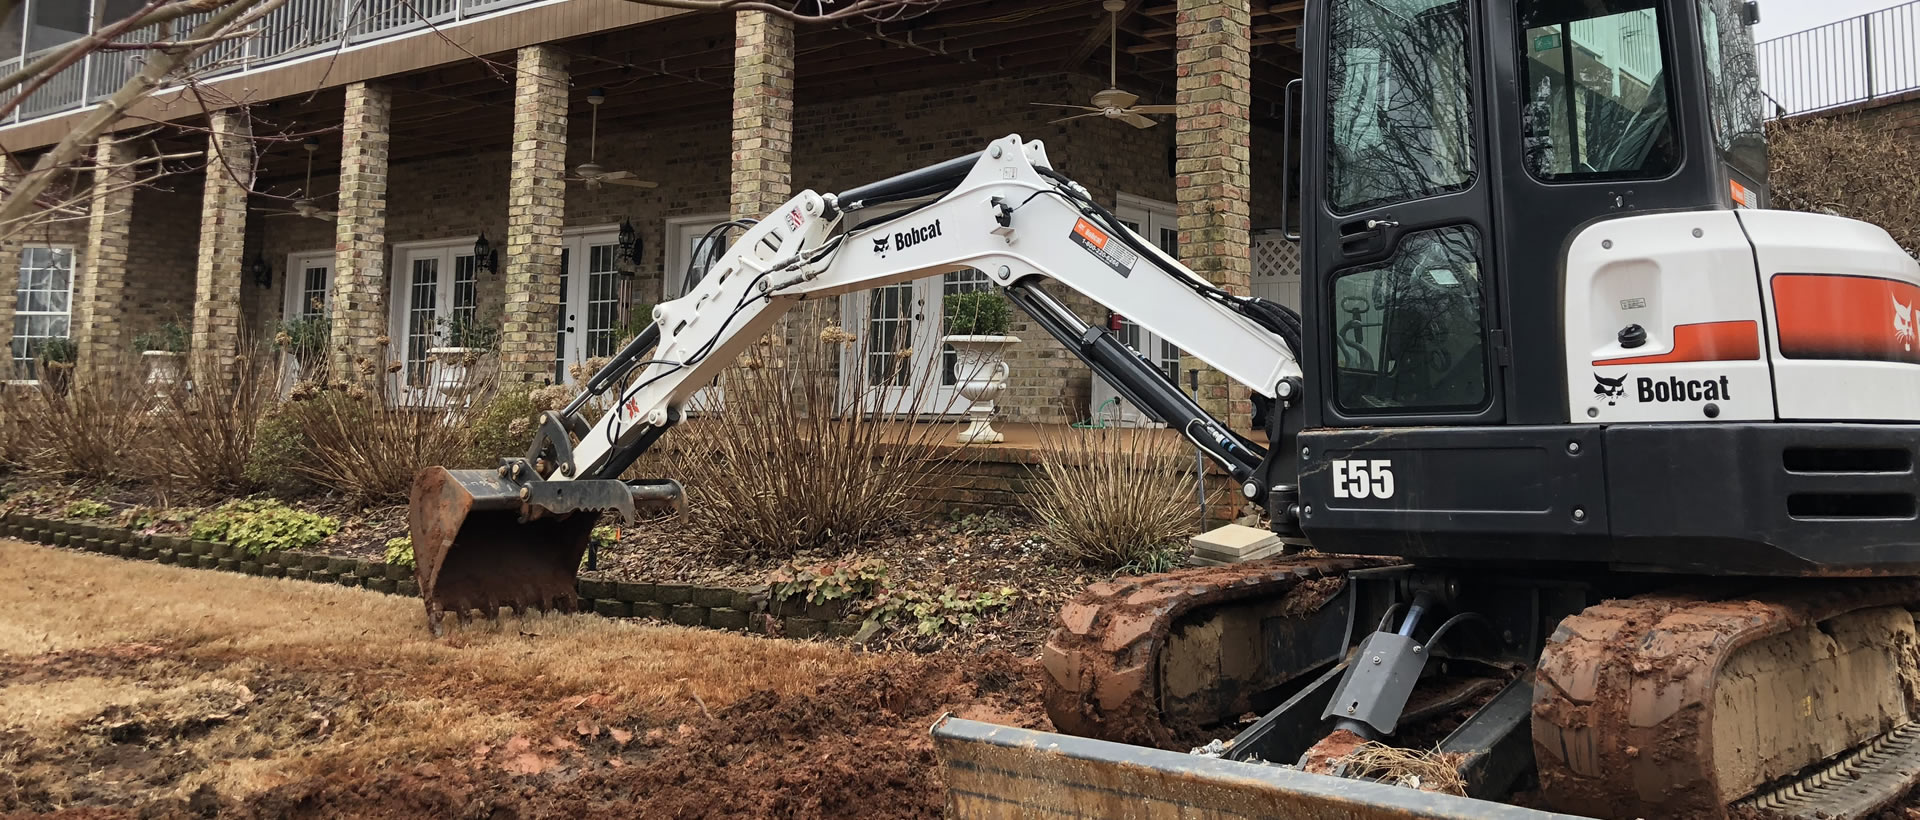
485, 258
627, 257
261, 270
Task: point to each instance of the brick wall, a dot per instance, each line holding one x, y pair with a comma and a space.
837, 145
160, 259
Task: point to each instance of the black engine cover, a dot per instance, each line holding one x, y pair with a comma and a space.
1753, 499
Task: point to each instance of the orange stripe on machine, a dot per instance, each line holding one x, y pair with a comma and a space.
1704, 342
1860, 318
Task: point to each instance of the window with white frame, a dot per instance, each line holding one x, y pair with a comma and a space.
43, 304
434, 283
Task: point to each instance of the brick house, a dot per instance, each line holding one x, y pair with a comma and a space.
430, 133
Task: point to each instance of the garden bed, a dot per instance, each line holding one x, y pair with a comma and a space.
649, 572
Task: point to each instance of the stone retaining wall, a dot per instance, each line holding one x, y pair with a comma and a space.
739, 610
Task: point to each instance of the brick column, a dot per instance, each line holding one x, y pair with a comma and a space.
220, 272
100, 297
358, 307
762, 174
1212, 167
536, 212
10, 172
762, 169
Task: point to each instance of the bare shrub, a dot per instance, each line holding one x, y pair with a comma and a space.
1855, 167
204, 433
368, 447
1113, 497
17, 440
94, 424
804, 457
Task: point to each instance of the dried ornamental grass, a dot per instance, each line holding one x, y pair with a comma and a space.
97, 427
1113, 497
805, 455
368, 446
204, 434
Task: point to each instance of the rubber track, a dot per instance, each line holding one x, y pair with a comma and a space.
1102, 659
1653, 660
1855, 786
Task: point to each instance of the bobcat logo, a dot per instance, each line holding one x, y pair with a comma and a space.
1903, 324
1610, 389
880, 245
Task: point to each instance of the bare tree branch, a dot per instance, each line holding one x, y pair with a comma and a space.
57, 161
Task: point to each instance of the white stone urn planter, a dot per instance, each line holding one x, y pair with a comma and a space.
164, 370
456, 371
980, 363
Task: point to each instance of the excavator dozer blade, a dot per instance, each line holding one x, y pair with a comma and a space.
482, 542
1001, 772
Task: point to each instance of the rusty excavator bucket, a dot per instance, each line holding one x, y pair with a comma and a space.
486, 539
1002, 773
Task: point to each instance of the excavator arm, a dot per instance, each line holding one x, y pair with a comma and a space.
1004, 212
514, 536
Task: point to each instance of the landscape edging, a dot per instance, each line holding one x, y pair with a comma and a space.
734, 610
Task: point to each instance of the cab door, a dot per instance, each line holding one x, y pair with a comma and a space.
1400, 288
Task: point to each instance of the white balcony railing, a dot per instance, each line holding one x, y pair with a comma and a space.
296, 29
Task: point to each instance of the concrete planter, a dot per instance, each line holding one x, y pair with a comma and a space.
981, 366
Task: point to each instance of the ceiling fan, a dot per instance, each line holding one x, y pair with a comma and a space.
1111, 102
306, 207
592, 174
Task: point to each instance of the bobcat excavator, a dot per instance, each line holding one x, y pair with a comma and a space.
1599, 476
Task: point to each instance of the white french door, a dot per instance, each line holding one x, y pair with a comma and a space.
1153, 220
433, 283
309, 290
906, 369
589, 299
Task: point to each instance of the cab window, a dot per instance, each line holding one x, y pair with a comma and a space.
1411, 331
1733, 87
1399, 102
1596, 90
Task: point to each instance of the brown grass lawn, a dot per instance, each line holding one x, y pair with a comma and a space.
145, 690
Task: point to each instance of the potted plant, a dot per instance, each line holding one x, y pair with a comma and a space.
56, 357
465, 341
976, 325
163, 348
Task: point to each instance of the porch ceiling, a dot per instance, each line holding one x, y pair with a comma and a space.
681, 67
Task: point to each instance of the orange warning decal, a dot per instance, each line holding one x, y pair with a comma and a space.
1830, 316
1741, 196
1086, 230
1095, 241
1704, 342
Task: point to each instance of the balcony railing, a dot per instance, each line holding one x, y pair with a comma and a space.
1851, 61
295, 30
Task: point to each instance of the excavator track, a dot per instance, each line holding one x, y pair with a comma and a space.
1139, 660
1680, 704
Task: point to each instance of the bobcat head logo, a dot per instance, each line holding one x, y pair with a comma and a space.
1610, 389
1903, 324
880, 245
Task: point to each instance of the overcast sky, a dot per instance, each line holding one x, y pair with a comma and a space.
1780, 17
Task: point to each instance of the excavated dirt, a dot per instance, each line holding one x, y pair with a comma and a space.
856, 748
140, 691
